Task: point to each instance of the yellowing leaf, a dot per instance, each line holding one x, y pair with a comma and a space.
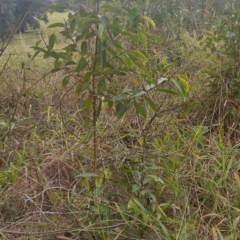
148, 20
237, 178
162, 213
141, 141
184, 82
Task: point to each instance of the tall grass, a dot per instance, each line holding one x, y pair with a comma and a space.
182, 183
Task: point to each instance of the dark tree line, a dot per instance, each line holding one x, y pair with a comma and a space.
11, 11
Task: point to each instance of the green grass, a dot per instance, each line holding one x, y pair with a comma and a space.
20, 47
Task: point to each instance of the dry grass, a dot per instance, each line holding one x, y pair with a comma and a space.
178, 185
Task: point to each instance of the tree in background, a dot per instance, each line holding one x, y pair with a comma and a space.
7, 17
11, 11
37, 11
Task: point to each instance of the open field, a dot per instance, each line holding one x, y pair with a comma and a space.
20, 47
173, 175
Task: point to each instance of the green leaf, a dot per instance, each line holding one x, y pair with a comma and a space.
132, 13
137, 55
168, 91
66, 34
119, 97
101, 32
54, 54
129, 63
132, 36
46, 55
84, 48
3, 124
142, 37
69, 63
88, 21
151, 103
56, 25
82, 64
78, 89
140, 109
155, 37
104, 20
138, 93
99, 109
35, 54
55, 70
72, 26
180, 88
80, 67
87, 104
86, 122
65, 81
87, 137
135, 188
154, 178
102, 55
51, 41
120, 110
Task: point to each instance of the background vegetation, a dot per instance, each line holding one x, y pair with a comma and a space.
120, 120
